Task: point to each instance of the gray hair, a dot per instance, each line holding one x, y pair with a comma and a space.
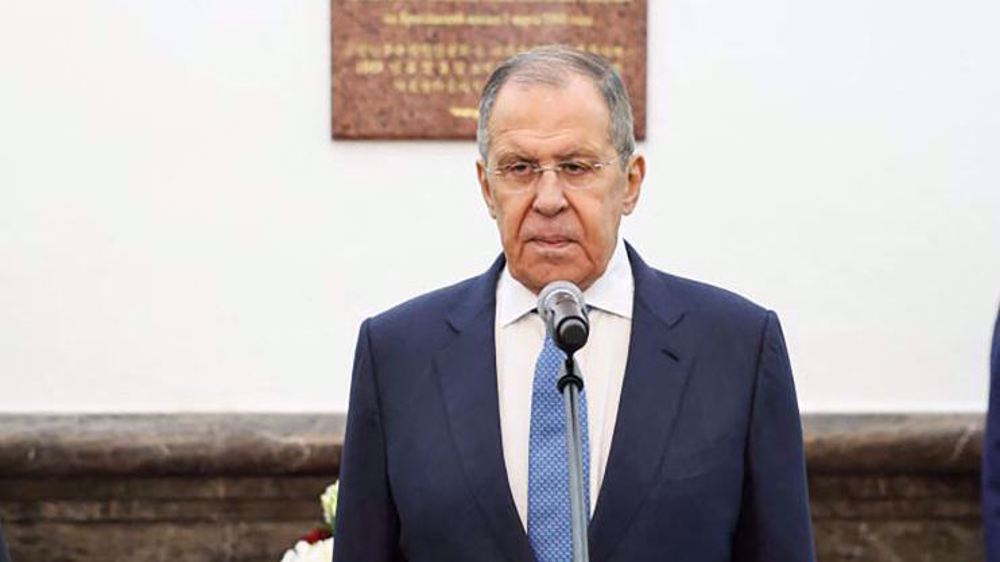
552, 65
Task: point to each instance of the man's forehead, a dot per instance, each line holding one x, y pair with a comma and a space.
576, 86
571, 116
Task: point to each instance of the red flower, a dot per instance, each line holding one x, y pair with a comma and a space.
316, 535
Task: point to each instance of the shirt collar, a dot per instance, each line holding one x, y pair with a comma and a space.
612, 292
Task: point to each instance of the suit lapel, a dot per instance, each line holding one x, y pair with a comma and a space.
466, 370
655, 378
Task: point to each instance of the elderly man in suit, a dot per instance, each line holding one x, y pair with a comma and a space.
991, 456
455, 445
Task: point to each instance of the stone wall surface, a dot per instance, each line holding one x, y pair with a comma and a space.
895, 488
244, 487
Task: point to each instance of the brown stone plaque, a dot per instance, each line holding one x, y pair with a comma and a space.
413, 69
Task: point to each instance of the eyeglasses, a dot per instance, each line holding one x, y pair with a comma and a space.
522, 175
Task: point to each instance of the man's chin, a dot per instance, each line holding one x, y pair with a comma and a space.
535, 278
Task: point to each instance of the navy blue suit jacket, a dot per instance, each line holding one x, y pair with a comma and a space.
706, 461
991, 457
4, 556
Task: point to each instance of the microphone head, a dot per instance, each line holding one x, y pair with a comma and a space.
572, 334
562, 308
558, 289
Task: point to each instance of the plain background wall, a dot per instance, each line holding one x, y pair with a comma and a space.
179, 233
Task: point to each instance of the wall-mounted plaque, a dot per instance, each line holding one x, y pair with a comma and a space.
413, 69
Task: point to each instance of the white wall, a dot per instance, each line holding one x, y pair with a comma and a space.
178, 232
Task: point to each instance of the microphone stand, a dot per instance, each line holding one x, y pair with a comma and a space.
570, 385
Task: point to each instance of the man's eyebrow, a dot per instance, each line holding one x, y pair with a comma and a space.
514, 153
508, 155
577, 153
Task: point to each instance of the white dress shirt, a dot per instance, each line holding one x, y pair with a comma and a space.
520, 334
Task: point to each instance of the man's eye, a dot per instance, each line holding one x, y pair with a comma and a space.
575, 168
520, 169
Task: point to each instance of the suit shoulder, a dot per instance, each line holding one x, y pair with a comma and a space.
715, 302
718, 321
424, 309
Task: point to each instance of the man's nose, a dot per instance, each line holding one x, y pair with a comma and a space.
550, 198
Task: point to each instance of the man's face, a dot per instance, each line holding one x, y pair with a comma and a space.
549, 230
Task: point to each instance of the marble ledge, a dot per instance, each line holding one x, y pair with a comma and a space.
198, 445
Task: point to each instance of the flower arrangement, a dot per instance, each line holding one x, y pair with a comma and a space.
317, 545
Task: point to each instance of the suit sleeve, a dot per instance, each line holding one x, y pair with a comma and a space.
367, 525
774, 523
991, 457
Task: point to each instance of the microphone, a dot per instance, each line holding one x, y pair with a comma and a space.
560, 303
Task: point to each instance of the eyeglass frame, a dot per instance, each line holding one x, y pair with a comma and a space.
538, 171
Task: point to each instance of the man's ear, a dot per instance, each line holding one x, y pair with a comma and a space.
635, 171
484, 185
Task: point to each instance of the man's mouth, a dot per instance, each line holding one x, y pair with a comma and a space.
551, 242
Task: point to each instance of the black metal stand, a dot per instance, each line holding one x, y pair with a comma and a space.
570, 385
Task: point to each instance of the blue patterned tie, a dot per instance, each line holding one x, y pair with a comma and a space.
549, 528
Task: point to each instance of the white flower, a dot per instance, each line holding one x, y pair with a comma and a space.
321, 551
329, 501
305, 552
